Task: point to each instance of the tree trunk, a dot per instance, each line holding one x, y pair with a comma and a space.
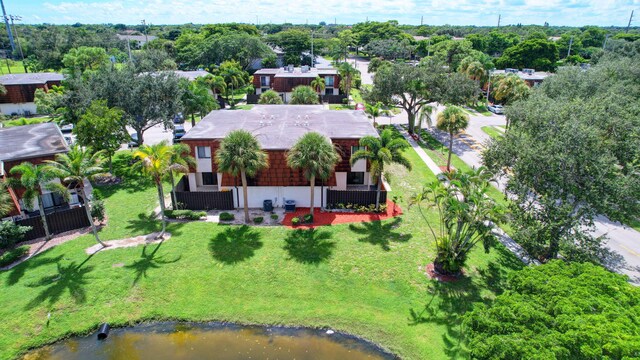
140, 139
174, 199
374, 121
378, 192
161, 198
193, 119
245, 192
450, 151
43, 218
313, 184
85, 198
110, 163
412, 121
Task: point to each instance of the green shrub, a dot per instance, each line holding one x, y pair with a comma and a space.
308, 218
274, 216
258, 220
295, 221
184, 214
97, 210
11, 233
12, 255
225, 216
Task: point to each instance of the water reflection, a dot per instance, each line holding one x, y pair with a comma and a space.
211, 341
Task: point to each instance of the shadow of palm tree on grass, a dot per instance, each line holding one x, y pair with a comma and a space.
71, 277
235, 244
380, 233
17, 272
149, 261
309, 246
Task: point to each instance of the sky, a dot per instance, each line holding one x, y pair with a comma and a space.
435, 12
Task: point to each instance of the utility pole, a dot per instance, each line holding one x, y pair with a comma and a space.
628, 25
6, 23
499, 16
144, 24
421, 20
15, 30
605, 41
570, 43
312, 58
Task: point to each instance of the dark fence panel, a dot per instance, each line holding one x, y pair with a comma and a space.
206, 200
334, 99
253, 98
364, 197
59, 222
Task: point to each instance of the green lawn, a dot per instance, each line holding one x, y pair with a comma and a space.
364, 279
243, 107
14, 67
482, 109
491, 131
26, 121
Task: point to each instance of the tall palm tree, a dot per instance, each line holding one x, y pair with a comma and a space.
155, 161
379, 152
180, 162
215, 83
476, 71
33, 179
347, 72
375, 110
304, 95
318, 85
316, 156
196, 99
74, 168
510, 88
452, 120
240, 154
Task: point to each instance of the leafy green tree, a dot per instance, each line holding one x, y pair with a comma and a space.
390, 49
510, 88
102, 128
376, 63
569, 156
347, 73
379, 152
216, 83
180, 162
558, 311
498, 41
234, 77
593, 36
539, 54
270, 61
155, 162
270, 97
152, 60
346, 38
240, 47
196, 99
240, 154
453, 120
314, 154
76, 167
34, 179
366, 32
6, 202
479, 42
304, 95
318, 85
466, 217
49, 102
85, 58
451, 52
293, 42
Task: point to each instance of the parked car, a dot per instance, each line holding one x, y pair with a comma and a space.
178, 118
360, 106
178, 133
496, 109
134, 140
67, 128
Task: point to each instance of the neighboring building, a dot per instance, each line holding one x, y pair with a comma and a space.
530, 76
277, 128
136, 41
18, 100
34, 144
283, 80
191, 75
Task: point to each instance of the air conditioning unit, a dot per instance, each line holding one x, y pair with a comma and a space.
290, 68
528, 71
511, 71
305, 69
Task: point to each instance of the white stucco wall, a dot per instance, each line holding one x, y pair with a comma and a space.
341, 181
8, 109
277, 194
204, 165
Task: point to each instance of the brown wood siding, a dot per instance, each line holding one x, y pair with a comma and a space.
18, 94
286, 84
344, 149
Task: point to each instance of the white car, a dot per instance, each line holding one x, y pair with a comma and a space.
496, 109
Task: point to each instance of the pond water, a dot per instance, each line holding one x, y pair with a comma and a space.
212, 341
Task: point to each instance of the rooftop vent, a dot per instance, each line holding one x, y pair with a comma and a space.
511, 70
290, 68
305, 69
528, 71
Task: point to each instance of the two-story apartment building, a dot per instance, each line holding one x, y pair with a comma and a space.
530, 76
283, 80
277, 128
20, 90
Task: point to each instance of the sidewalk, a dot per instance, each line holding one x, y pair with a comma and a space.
500, 234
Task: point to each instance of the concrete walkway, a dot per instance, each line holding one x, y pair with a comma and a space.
500, 234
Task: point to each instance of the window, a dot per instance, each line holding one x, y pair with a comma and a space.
356, 148
355, 178
204, 152
265, 81
328, 81
209, 178
50, 200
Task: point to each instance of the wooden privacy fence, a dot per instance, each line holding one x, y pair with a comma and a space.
358, 197
59, 222
205, 200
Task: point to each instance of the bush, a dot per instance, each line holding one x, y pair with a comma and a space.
274, 216
295, 221
258, 220
184, 214
225, 216
11, 233
12, 255
97, 210
308, 218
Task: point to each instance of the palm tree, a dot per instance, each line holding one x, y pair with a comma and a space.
196, 99
155, 161
476, 71
452, 120
215, 83
270, 97
75, 167
347, 72
180, 162
33, 179
240, 153
375, 111
316, 156
318, 85
424, 115
381, 151
510, 88
304, 95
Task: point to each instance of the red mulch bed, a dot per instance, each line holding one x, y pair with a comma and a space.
333, 218
430, 271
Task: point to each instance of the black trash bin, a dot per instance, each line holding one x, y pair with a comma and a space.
290, 205
267, 205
